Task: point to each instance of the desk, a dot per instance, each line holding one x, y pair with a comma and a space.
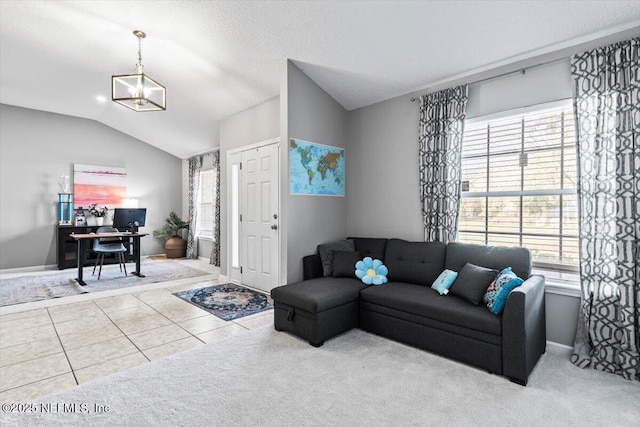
82, 238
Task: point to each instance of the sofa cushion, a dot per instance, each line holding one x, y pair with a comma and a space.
372, 247
496, 257
344, 263
424, 301
326, 253
414, 262
472, 282
319, 294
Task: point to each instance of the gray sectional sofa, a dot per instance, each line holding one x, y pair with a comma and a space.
408, 310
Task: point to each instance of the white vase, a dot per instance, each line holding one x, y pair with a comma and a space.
99, 221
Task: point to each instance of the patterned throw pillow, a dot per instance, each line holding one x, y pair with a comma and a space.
498, 292
444, 281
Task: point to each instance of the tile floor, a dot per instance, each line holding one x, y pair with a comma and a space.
57, 347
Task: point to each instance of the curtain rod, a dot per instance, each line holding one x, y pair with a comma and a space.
508, 73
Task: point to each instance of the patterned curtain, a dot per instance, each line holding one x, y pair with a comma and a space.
442, 117
607, 106
215, 247
195, 164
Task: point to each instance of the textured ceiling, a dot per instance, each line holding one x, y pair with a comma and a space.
218, 58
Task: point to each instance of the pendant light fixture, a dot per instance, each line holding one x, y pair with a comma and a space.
138, 91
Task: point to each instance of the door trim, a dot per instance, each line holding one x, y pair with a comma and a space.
228, 207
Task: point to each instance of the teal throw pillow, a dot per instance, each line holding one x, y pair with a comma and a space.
444, 281
498, 292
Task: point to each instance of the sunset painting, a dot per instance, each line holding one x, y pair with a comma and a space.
103, 185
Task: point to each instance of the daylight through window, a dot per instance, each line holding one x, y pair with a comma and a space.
519, 184
206, 204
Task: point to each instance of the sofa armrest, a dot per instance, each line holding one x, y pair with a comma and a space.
524, 335
311, 267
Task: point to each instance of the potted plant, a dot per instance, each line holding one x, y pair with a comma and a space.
98, 212
175, 246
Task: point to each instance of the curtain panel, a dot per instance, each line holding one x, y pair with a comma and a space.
215, 247
195, 165
607, 107
442, 117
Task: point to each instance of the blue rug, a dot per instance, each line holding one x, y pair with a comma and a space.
227, 301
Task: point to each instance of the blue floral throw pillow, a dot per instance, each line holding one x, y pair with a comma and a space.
371, 271
444, 281
498, 292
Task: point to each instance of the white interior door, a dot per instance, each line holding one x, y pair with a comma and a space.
260, 217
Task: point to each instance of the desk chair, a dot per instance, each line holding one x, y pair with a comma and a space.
108, 246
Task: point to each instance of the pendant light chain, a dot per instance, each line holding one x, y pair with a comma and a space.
140, 53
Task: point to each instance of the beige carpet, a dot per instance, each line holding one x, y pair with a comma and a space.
268, 378
38, 287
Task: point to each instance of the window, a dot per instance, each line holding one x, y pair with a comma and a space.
235, 215
519, 180
206, 204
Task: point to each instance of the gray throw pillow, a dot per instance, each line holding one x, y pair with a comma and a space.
344, 263
472, 282
326, 254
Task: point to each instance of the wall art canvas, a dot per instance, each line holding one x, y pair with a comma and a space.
103, 185
315, 169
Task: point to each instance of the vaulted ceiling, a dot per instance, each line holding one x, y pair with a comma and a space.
220, 57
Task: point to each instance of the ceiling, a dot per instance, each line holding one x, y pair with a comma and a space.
220, 57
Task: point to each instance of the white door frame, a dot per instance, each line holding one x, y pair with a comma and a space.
228, 207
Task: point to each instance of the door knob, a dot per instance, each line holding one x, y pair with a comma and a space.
274, 227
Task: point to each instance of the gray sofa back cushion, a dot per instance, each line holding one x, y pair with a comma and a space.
367, 246
414, 262
496, 257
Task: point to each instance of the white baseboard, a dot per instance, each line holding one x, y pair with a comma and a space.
29, 269
558, 348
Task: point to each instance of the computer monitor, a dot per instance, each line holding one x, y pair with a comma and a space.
128, 217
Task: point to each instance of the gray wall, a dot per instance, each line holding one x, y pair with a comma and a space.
562, 317
382, 165
256, 124
311, 115
37, 147
382, 171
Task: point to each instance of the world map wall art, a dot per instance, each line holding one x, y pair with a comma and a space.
315, 169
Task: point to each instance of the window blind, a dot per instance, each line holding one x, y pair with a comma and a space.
519, 179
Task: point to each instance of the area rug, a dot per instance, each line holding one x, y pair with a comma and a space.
262, 377
38, 287
227, 301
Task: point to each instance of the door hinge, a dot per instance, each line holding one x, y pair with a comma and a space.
240, 165
240, 270
240, 217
